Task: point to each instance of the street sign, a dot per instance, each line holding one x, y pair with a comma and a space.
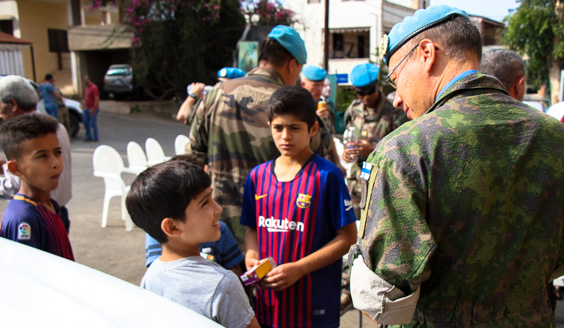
342, 78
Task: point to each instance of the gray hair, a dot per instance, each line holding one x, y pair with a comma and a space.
457, 36
20, 89
506, 65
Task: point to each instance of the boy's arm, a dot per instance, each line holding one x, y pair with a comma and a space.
252, 256
285, 275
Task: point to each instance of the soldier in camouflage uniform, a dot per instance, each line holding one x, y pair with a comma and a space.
462, 210
230, 131
372, 116
313, 79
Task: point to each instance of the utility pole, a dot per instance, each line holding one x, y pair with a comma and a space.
326, 41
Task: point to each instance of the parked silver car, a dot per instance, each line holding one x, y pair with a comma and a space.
118, 81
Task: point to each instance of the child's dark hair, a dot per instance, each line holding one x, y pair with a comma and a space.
24, 127
190, 158
164, 191
295, 101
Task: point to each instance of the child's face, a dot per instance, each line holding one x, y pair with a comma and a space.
291, 135
202, 219
40, 163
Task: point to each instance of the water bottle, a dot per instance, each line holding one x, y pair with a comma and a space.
349, 139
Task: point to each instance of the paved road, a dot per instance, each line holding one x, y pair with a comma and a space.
113, 250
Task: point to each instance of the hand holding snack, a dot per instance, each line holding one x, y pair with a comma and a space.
257, 272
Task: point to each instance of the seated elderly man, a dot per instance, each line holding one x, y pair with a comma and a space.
462, 208
17, 97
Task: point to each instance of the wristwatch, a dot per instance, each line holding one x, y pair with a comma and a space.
193, 95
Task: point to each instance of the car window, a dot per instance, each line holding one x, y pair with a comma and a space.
118, 72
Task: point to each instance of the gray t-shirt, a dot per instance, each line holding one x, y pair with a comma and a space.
202, 286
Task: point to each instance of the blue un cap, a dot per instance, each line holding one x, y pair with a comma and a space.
314, 73
422, 20
363, 75
290, 39
230, 72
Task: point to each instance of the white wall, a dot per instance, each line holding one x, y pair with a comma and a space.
342, 14
9, 9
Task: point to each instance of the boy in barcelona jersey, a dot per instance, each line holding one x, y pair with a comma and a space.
297, 210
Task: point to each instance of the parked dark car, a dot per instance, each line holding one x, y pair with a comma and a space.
118, 81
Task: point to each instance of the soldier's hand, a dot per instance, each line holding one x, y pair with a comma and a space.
365, 147
350, 154
323, 112
198, 88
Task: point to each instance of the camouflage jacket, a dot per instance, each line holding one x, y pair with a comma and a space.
230, 133
467, 202
372, 124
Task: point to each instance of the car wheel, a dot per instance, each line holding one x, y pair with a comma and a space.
75, 125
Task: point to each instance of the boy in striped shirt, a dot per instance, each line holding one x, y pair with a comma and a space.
297, 209
34, 155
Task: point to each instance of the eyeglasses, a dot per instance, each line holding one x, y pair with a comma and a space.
388, 79
362, 92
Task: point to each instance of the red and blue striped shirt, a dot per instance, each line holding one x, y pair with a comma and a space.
294, 219
29, 222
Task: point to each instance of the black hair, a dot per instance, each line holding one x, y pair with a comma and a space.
164, 191
48, 77
274, 53
190, 158
24, 127
293, 100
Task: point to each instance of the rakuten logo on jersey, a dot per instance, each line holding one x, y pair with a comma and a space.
276, 225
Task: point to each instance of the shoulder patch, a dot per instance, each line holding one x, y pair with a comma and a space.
24, 231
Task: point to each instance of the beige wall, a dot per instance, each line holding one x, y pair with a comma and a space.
35, 17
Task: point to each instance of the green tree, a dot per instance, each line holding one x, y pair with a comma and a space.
537, 30
176, 42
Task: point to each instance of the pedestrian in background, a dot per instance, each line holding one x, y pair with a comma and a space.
49, 95
92, 104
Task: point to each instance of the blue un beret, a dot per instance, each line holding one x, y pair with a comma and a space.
363, 75
422, 20
290, 39
314, 73
230, 72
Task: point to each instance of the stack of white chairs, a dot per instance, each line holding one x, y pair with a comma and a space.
155, 152
136, 158
108, 164
180, 144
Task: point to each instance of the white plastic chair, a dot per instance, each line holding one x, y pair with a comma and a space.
180, 144
136, 158
340, 149
108, 164
155, 152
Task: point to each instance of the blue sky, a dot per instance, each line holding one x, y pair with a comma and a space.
494, 9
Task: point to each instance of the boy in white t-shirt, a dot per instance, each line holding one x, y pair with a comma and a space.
172, 202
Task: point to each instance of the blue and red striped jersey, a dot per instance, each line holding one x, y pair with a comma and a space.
294, 219
29, 222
